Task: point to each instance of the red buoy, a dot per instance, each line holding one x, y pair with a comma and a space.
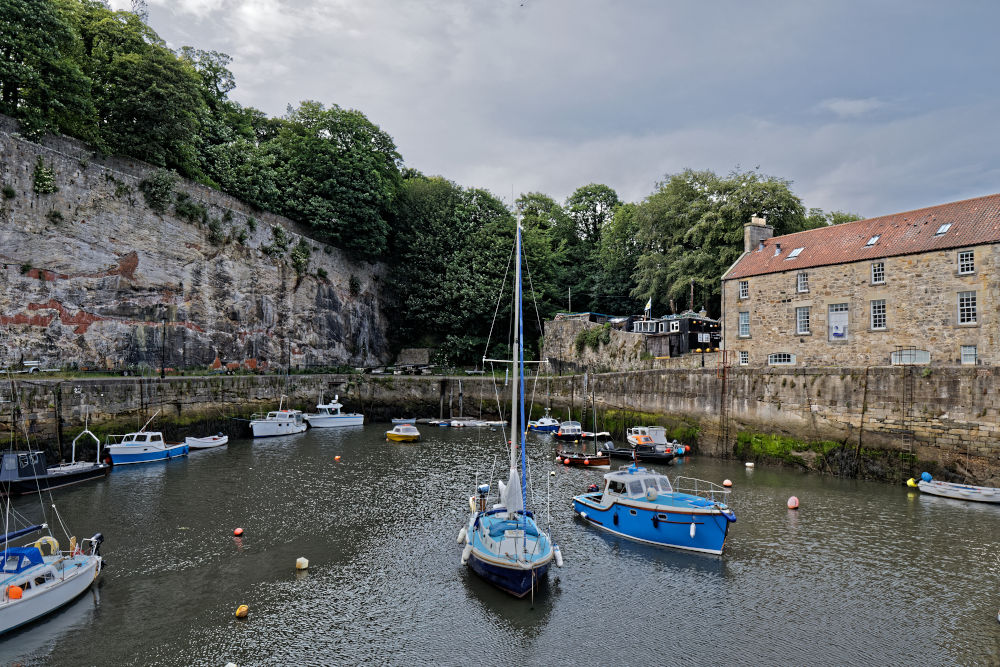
238, 532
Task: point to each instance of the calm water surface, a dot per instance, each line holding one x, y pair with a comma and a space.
862, 574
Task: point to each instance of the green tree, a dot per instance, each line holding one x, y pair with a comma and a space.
617, 258
41, 83
818, 218
691, 230
339, 173
591, 207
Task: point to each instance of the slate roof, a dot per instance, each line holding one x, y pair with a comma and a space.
973, 222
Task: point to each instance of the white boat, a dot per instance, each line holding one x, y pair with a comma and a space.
404, 420
330, 416
544, 424
216, 440
277, 422
983, 494
36, 584
657, 434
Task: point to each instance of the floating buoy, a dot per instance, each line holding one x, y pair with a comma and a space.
912, 483
727, 483
926, 476
692, 530
237, 532
749, 464
466, 552
462, 535
558, 555
586, 462
301, 563
242, 611
552, 473
14, 592
566, 460
230, 664
793, 503
558, 458
337, 457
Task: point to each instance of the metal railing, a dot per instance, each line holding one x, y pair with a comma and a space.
700, 487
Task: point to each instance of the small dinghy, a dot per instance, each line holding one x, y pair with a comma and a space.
929, 485
216, 440
404, 420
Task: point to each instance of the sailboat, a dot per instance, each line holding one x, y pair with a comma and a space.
503, 543
35, 583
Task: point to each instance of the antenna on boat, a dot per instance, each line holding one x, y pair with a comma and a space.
149, 420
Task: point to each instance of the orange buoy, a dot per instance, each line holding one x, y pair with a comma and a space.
337, 457
727, 483
237, 532
566, 460
586, 462
793, 503
14, 592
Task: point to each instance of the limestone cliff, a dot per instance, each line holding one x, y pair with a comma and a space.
92, 276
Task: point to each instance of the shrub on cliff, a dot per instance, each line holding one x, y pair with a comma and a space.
44, 178
158, 189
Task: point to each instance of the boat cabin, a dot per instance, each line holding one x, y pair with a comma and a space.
632, 482
17, 465
568, 428
280, 415
19, 559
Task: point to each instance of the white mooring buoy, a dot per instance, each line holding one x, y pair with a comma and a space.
301, 563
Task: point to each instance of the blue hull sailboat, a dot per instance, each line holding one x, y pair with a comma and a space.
642, 505
503, 543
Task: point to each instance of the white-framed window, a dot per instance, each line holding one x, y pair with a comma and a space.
872, 241
744, 357
780, 359
966, 307
838, 321
802, 281
795, 253
675, 326
878, 314
942, 229
909, 357
744, 289
967, 261
744, 330
878, 273
802, 320
969, 355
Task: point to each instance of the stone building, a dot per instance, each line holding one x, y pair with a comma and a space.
916, 287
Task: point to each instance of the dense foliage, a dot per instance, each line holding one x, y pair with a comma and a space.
79, 68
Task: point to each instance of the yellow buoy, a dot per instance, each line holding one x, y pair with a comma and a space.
912, 483
242, 611
301, 563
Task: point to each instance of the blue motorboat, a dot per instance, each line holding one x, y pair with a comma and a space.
642, 505
544, 424
503, 542
142, 447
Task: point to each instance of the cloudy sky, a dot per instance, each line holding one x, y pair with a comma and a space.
867, 107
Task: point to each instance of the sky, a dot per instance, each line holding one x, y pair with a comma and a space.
867, 107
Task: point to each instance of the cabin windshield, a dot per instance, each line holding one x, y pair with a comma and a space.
635, 487
155, 437
664, 484
615, 486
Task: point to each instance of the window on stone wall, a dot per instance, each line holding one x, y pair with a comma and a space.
744, 289
878, 273
675, 326
744, 331
744, 357
966, 307
780, 359
966, 262
969, 355
878, 314
802, 320
802, 282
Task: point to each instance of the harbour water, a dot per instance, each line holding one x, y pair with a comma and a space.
863, 574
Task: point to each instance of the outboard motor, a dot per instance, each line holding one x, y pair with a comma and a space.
483, 489
96, 541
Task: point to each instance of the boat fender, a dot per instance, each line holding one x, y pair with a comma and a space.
615, 518
692, 530
926, 476
558, 555
49, 540
462, 534
656, 522
466, 552
14, 592
472, 503
583, 514
651, 494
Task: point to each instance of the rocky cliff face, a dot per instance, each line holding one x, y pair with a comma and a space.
92, 276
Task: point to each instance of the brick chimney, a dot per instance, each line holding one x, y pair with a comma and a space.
755, 232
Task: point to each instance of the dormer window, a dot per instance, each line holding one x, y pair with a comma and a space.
872, 241
795, 253
942, 229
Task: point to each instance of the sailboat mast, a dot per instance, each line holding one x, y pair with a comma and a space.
515, 423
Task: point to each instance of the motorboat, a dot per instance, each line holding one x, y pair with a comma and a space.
403, 433
328, 415
569, 431
544, 424
982, 494
656, 434
583, 459
207, 442
28, 472
642, 505
503, 542
277, 422
142, 447
645, 450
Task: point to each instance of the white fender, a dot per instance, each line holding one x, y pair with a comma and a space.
472, 504
692, 530
461, 535
466, 552
558, 554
